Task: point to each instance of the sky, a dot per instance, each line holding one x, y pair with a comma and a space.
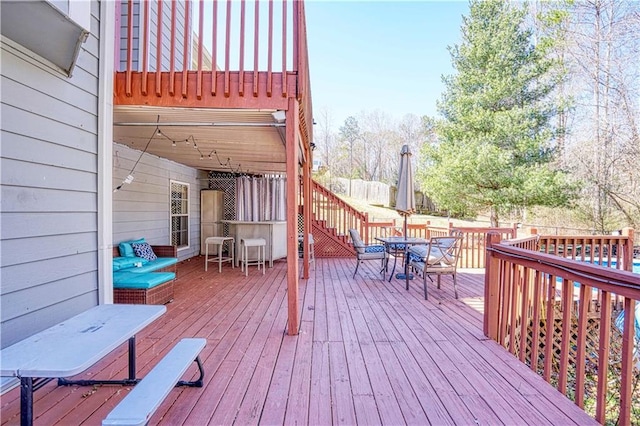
380, 55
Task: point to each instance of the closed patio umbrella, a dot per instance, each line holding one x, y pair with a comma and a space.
405, 197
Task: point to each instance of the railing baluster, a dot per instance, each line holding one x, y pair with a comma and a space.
200, 47
214, 48
603, 356
172, 53
159, 51
567, 299
256, 46
584, 302
227, 52
270, 52
129, 47
550, 327
538, 297
242, 31
145, 48
628, 342
284, 48
524, 314
186, 50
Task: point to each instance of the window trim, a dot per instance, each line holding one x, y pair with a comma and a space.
188, 192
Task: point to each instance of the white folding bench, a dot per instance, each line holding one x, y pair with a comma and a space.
145, 398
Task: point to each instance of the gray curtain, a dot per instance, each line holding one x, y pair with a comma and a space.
260, 198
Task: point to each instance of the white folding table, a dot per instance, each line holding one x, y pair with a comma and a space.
72, 346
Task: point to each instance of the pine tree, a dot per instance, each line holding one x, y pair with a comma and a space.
495, 142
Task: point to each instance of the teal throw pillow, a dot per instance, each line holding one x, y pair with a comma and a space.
126, 250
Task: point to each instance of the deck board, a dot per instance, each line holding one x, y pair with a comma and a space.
368, 352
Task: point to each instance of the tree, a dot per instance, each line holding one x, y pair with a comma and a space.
495, 143
350, 133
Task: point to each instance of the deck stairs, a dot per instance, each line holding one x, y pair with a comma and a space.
331, 220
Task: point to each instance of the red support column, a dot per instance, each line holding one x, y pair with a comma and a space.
292, 120
491, 289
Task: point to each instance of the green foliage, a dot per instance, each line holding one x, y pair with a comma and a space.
494, 148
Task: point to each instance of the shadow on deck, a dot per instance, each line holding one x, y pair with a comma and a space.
368, 352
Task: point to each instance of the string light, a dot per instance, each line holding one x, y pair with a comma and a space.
227, 164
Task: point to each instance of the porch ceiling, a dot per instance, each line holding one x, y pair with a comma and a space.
237, 140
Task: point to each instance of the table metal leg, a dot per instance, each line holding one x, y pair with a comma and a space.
26, 401
131, 380
132, 358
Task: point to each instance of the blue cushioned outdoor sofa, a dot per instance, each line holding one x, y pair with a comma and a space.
143, 273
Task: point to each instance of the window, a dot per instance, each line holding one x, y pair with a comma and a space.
179, 214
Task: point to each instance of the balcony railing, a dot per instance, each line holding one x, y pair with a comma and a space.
549, 303
215, 49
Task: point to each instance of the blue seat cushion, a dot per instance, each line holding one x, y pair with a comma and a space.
396, 246
154, 265
148, 280
374, 249
127, 262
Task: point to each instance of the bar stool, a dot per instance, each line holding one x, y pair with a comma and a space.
219, 242
260, 244
312, 252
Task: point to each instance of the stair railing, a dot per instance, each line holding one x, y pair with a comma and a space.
336, 213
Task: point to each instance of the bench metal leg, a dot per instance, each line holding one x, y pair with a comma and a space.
199, 382
130, 381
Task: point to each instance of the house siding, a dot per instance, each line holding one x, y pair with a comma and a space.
137, 38
49, 188
141, 209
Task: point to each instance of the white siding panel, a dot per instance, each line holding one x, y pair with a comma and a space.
48, 189
22, 199
38, 103
46, 129
141, 209
15, 305
18, 278
23, 250
42, 152
20, 173
31, 224
53, 314
47, 83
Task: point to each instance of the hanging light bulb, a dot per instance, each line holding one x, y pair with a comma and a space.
173, 144
187, 141
201, 157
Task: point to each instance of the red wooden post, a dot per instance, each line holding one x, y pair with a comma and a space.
292, 217
627, 251
491, 289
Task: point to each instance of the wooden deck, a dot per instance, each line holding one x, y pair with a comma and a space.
368, 352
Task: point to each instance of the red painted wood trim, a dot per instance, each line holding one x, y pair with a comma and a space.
187, 49
292, 215
172, 53
270, 51
567, 299
548, 344
242, 31
296, 34
585, 301
284, 45
200, 39
145, 48
129, 46
262, 100
256, 45
214, 48
227, 51
538, 297
628, 341
159, 50
524, 313
603, 356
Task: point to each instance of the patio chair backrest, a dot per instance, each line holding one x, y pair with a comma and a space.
356, 240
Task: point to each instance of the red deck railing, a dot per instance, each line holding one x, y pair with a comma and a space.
551, 305
215, 49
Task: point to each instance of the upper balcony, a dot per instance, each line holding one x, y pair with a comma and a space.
214, 71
